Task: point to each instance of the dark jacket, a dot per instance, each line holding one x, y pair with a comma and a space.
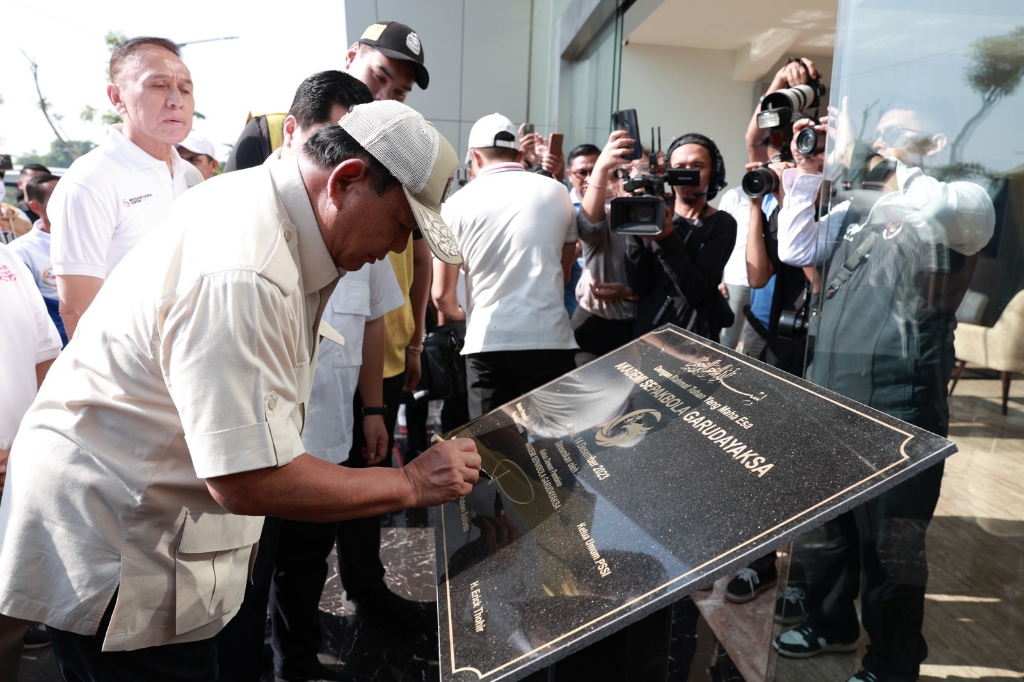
885, 337
685, 267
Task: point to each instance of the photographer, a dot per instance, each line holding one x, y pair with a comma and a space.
676, 273
796, 71
898, 251
604, 319
780, 296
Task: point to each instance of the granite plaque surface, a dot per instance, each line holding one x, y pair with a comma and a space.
634, 480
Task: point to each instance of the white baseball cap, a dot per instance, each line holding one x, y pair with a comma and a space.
197, 144
419, 156
493, 130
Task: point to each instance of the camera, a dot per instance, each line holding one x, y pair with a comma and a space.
781, 108
644, 212
810, 142
793, 324
760, 182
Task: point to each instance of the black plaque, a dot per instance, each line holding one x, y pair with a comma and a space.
627, 484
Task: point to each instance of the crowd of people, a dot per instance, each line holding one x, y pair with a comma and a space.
223, 365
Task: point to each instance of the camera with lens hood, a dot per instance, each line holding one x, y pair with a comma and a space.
643, 212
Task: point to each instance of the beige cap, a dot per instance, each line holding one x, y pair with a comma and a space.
416, 154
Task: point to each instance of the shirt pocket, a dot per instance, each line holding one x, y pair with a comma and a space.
352, 302
212, 566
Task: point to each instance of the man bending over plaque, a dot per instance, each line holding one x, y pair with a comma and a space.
898, 250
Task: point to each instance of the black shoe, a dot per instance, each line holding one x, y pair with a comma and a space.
789, 608
749, 583
805, 641
36, 637
388, 611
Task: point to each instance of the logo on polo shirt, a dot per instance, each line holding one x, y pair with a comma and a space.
7, 275
128, 203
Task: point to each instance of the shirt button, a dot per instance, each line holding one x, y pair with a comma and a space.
288, 235
272, 402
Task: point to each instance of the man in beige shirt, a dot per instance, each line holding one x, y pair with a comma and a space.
172, 424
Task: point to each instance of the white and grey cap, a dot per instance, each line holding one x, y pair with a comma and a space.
493, 130
419, 156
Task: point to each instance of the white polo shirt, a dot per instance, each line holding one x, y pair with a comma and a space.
108, 200
195, 362
360, 296
34, 250
511, 226
27, 336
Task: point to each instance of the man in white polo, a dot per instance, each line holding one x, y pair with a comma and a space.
113, 195
172, 424
200, 152
517, 234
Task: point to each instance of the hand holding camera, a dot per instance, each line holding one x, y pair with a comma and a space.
808, 146
619, 148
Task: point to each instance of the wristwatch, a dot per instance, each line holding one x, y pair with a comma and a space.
381, 411
415, 350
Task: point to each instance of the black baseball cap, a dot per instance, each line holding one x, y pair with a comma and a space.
398, 41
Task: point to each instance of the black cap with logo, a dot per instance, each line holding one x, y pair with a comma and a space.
398, 41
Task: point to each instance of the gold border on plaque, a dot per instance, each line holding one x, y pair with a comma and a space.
903, 458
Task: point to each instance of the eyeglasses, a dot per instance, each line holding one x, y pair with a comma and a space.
890, 135
583, 173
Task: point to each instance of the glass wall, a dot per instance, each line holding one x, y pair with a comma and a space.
918, 312
595, 85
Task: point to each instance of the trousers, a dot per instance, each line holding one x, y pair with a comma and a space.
496, 377
80, 658
877, 550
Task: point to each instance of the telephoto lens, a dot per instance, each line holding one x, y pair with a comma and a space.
810, 142
759, 182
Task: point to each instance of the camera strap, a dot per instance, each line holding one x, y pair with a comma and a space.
856, 259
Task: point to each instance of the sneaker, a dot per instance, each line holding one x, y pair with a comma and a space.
748, 583
805, 642
388, 611
789, 608
864, 676
36, 637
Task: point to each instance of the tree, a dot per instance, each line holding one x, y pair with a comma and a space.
110, 117
996, 71
44, 106
59, 155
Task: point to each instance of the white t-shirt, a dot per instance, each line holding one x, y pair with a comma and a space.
736, 203
27, 336
511, 226
360, 296
34, 250
107, 201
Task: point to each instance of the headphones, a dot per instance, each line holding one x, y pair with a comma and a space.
717, 162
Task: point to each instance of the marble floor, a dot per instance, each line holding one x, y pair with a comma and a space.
974, 616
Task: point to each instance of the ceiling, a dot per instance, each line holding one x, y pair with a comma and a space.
758, 31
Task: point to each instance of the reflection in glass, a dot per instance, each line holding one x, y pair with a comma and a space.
919, 232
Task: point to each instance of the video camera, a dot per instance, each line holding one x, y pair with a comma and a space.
643, 213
